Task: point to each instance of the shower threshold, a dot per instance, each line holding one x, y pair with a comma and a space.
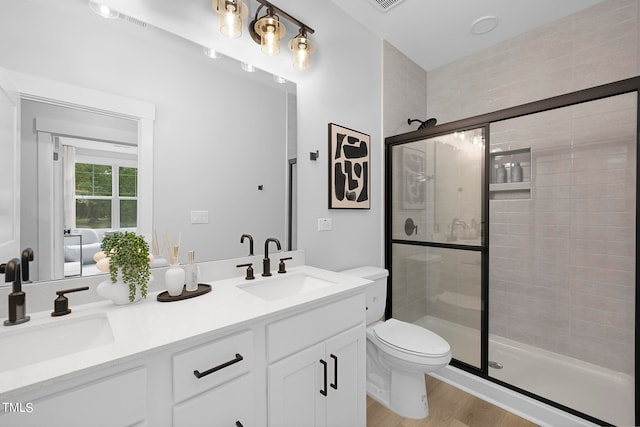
599, 392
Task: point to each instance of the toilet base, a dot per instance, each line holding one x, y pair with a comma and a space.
410, 399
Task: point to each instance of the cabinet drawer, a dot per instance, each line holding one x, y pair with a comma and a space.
295, 333
216, 362
223, 406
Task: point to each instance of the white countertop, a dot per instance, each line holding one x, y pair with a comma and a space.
150, 325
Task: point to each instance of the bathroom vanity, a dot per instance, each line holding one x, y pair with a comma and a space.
282, 350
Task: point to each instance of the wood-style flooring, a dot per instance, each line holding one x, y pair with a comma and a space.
448, 407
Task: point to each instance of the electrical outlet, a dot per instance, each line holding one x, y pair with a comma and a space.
199, 217
324, 224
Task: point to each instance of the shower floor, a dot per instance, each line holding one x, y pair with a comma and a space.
585, 387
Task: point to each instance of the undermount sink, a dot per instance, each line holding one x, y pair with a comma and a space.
284, 286
30, 344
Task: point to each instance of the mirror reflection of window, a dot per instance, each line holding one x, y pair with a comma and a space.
102, 186
104, 199
93, 195
128, 196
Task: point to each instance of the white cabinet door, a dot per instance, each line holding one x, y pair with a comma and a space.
295, 386
346, 398
9, 169
324, 385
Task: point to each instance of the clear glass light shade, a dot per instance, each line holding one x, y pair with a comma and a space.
302, 49
270, 31
231, 14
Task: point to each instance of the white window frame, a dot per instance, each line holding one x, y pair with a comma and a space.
115, 196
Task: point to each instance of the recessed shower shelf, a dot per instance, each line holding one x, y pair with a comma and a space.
510, 186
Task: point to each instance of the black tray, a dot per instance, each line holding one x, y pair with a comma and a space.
202, 289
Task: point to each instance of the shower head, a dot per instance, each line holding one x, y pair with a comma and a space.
427, 123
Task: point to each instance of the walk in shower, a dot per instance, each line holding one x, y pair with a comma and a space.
513, 236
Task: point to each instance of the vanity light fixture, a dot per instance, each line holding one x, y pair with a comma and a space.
266, 30
232, 13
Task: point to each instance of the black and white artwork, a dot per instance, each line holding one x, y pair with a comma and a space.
349, 168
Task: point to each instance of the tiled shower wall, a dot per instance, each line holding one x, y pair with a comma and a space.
404, 92
405, 97
562, 262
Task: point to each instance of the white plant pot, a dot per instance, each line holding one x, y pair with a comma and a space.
118, 292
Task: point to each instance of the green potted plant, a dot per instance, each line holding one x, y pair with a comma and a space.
128, 259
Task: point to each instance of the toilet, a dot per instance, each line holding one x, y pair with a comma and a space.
398, 353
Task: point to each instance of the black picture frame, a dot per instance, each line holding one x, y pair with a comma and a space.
349, 168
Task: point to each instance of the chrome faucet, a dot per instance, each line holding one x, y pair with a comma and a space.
17, 298
248, 236
266, 262
453, 236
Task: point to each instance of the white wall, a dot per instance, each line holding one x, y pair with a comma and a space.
344, 88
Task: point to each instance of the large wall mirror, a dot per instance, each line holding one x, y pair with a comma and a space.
223, 140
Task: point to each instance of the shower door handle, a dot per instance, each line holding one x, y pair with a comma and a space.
335, 372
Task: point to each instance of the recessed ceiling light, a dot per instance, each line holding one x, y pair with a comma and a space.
211, 53
103, 10
484, 25
247, 67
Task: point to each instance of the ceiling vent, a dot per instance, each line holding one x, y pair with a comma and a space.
385, 5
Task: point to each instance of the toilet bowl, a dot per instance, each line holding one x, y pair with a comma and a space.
399, 354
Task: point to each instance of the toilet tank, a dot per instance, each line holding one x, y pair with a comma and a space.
376, 292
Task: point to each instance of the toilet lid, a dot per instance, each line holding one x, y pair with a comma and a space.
411, 338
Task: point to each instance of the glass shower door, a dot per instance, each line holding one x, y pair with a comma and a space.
562, 258
436, 237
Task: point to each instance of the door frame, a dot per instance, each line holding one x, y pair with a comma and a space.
34, 88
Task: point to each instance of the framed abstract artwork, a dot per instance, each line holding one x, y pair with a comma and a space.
349, 168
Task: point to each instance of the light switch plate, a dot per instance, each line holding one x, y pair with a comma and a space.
199, 217
325, 224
